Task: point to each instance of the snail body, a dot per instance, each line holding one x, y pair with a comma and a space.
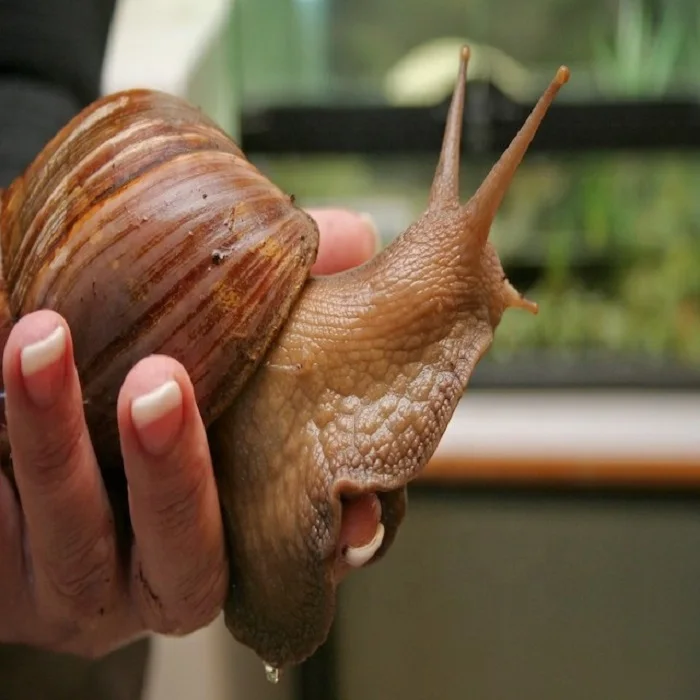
146, 227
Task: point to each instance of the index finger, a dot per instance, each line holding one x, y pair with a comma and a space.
66, 509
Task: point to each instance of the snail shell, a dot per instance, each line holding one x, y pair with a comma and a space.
145, 226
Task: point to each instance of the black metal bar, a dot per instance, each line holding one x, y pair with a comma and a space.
569, 127
317, 676
549, 370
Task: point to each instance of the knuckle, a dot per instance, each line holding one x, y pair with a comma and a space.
158, 617
79, 580
55, 454
206, 599
188, 608
189, 595
175, 511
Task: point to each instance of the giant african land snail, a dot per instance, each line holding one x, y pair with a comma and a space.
145, 226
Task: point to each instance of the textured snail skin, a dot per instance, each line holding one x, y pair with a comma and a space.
314, 389
354, 396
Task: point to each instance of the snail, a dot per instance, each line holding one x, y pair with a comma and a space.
147, 228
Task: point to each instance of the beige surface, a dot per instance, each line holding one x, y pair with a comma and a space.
209, 664
188, 667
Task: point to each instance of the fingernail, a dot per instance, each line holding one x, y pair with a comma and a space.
42, 368
157, 417
372, 225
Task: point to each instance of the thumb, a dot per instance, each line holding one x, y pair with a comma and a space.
348, 239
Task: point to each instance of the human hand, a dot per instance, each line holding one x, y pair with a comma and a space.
63, 585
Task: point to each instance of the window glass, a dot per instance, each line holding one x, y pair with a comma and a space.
607, 244
321, 51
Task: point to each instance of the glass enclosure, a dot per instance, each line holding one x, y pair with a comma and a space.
608, 244
602, 224
402, 51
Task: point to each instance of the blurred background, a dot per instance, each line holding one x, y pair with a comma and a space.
551, 549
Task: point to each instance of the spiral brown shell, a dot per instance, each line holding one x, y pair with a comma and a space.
144, 225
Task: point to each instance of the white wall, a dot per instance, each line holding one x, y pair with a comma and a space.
178, 46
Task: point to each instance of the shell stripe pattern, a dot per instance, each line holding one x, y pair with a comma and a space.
148, 229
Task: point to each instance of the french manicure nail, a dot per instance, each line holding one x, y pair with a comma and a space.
157, 417
44, 373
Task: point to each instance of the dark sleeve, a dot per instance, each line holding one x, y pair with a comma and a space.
51, 59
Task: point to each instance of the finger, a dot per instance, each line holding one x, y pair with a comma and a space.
179, 572
10, 534
67, 514
13, 590
348, 239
